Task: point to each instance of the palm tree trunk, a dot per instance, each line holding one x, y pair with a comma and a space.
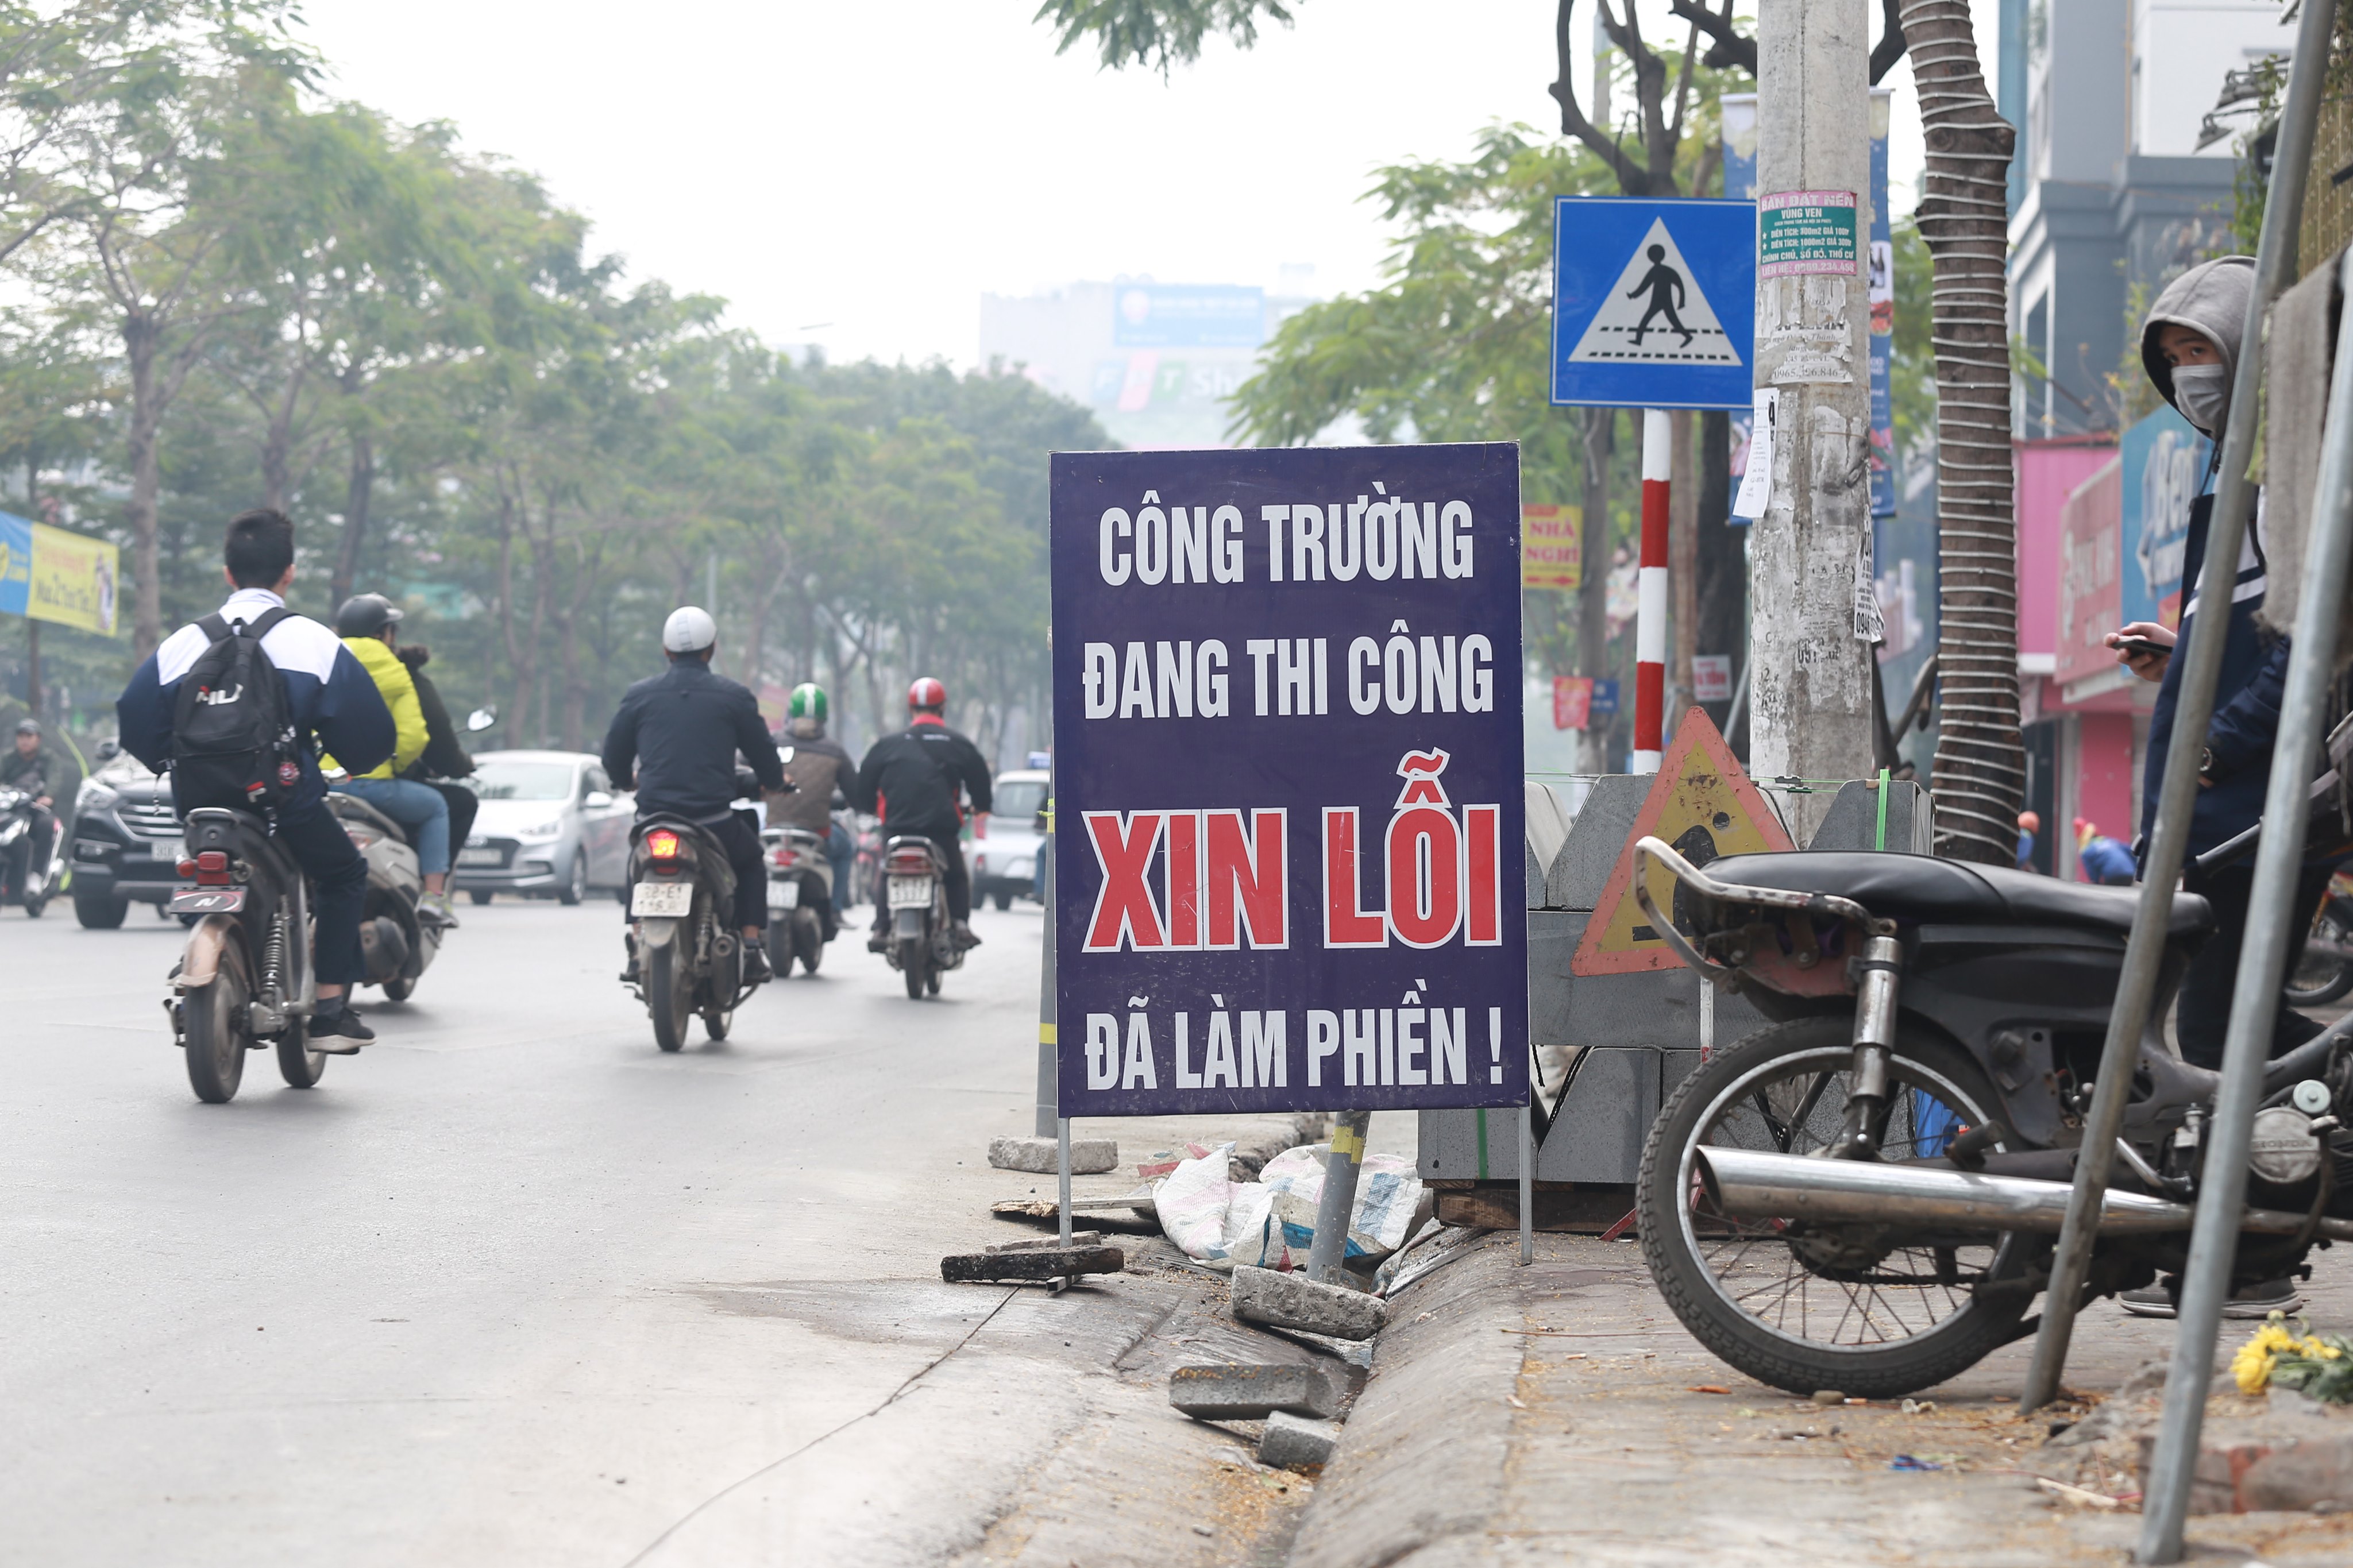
1980, 767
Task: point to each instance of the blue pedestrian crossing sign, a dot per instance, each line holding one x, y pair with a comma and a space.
1655, 302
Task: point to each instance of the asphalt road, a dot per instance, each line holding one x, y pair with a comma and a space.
512, 1287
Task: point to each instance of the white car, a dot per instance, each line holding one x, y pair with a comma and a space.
1007, 842
551, 825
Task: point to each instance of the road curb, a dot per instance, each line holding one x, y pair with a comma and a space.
1422, 1458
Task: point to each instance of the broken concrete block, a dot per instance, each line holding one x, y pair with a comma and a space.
1089, 1156
1044, 1243
1296, 1442
1041, 1263
2303, 1474
1252, 1393
1295, 1301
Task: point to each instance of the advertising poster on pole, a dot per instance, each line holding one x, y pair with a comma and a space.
54, 574
1287, 717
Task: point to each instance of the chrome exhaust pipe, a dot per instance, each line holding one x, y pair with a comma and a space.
1749, 1185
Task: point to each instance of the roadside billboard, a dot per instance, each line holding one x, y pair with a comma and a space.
54, 574
1288, 780
2090, 578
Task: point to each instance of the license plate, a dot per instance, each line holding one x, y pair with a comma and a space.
784, 895
910, 892
171, 851
662, 901
478, 858
207, 901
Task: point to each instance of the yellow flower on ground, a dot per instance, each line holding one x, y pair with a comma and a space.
2253, 1365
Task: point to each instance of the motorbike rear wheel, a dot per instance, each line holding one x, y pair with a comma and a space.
298, 1064
213, 1023
1805, 1307
669, 992
809, 942
914, 960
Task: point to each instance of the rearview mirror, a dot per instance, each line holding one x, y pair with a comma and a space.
598, 800
481, 719
109, 750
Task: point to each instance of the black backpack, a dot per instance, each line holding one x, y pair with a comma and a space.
233, 738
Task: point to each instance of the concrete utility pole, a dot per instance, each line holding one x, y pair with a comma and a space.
1809, 691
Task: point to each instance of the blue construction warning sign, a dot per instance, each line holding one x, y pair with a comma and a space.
1655, 302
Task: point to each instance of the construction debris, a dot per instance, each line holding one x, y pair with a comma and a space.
1078, 1238
1295, 1301
1297, 1443
1032, 1263
1253, 1392
1042, 1156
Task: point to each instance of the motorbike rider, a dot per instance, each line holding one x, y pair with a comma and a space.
335, 703
911, 780
2189, 347
445, 760
674, 741
820, 770
368, 625
28, 764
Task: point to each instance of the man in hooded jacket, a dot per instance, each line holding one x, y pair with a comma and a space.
2190, 346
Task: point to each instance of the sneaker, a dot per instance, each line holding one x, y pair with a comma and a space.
430, 913
963, 936
757, 971
2263, 1298
2257, 1300
879, 942
341, 1035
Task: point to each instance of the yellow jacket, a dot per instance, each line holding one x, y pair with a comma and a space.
400, 693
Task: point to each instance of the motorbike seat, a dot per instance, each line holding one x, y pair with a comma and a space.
1913, 887
352, 808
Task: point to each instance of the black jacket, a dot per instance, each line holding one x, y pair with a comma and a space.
676, 737
444, 756
910, 779
17, 770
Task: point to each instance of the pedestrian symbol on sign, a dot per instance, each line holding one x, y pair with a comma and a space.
1656, 282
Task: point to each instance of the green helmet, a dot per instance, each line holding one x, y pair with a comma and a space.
808, 702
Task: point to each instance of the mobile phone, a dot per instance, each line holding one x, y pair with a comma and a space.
2142, 645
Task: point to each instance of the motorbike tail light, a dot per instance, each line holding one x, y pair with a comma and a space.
980, 825
911, 863
784, 859
212, 868
662, 844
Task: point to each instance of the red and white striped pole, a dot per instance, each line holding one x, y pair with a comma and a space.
1650, 596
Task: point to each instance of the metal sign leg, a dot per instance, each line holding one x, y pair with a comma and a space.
2273, 922
1338, 1205
2130, 1018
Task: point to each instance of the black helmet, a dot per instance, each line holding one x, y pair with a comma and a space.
365, 615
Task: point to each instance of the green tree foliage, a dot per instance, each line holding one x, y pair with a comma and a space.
235, 292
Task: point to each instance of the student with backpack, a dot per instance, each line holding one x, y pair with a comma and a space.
236, 707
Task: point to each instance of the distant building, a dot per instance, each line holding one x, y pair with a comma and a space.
1156, 362
2118, 197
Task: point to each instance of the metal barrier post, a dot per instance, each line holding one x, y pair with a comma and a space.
2194, 711
2272, 923
1062, 1163
1528, 1180
1048, 1069
1338, 1205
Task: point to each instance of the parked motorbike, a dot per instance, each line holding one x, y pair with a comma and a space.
800, 898
1866, 1195
684, 945
397, 939
243, 982
30, 876
922, 943
2325, 972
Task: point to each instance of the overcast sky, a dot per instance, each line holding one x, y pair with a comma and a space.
858, 174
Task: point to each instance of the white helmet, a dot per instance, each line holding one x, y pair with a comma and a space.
687, 630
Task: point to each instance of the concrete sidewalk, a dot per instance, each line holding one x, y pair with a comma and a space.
1560, 1413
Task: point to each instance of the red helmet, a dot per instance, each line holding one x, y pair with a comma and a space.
927, 693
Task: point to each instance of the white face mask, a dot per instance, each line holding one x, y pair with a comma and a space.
2203, 393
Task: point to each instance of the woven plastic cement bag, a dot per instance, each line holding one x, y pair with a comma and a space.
1218, 1222
1387, 1193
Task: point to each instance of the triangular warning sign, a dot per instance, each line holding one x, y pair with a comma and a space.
1702, 804
1656, 314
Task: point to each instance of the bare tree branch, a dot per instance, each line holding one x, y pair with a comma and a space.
1726, 47
1633, 178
